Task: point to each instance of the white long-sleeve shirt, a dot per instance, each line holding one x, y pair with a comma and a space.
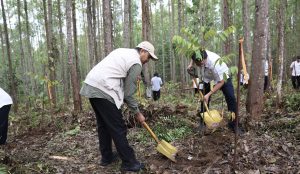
5, 98
295, 66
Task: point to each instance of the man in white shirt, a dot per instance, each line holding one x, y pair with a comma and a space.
266, 68
215, 72
156, 83
108, 85
5, 103
295, 67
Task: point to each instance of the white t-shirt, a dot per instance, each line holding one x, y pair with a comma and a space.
295, 68
266, 68
156, 82
5, 99
214, 71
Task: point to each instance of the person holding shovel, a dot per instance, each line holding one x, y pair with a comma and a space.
110, 83
295, 68
215, 72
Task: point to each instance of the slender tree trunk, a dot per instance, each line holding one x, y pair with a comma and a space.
107, 22
72, 64
182, 68
255, 92
94, 31
23, 61
226, 23
12, 81
30, 55
280, 27
91, 47
162, 39
62, 60
126, 28
172, 34
99, 22
247, 28
146, 36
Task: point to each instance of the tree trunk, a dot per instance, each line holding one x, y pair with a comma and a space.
280, 27
226, 24
180, 20
255, 92
247, 28
162, 39
51, 52
23, 61
13, 85
72, 65
107, 23
91, 47
30, 56
146, 36
173, 58
126, 28
64, 73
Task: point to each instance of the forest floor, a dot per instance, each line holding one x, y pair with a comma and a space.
69, 144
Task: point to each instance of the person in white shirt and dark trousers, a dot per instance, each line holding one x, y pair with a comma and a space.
215, 72
295, 67
156, 83
5, 104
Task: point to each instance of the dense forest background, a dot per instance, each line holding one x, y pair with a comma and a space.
48, 46
37, 54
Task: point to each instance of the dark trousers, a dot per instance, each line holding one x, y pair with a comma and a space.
156, 95
228, 92
266, 83
4, 111
111, 127
296, 82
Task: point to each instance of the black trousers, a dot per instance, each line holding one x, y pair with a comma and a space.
266, 83
228, 92
296, 82
156, 95
111, 127
4, 111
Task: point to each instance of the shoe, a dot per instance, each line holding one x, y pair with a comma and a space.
107, 162
133, 168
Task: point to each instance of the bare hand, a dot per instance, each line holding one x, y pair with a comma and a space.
140, 117
206, 98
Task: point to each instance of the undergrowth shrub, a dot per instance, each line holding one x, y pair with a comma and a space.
291, 102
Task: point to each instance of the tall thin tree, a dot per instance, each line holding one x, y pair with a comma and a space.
107, 23
71, 63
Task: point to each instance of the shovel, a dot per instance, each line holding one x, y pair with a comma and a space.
163, 147
211, 118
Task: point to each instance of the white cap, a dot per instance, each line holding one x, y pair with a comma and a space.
148, 47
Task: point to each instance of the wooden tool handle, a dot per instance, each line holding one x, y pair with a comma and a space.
151, 132
245, 73
205, 104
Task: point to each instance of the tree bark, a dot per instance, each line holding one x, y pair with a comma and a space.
72, 65
280, 27
255, 92
91, 47
126, 29
30, 55
146, 36
107, 23
13, 85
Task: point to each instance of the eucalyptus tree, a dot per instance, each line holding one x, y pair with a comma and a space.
107, 26
146, 36
280, 27
91, 45
126, 24
259, 53
72, 64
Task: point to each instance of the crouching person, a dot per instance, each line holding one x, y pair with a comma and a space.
5, 104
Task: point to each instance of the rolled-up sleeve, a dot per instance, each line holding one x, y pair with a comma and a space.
130, 87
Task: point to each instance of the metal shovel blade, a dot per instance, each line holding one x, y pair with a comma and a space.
167, 150
212, 118
163, 147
